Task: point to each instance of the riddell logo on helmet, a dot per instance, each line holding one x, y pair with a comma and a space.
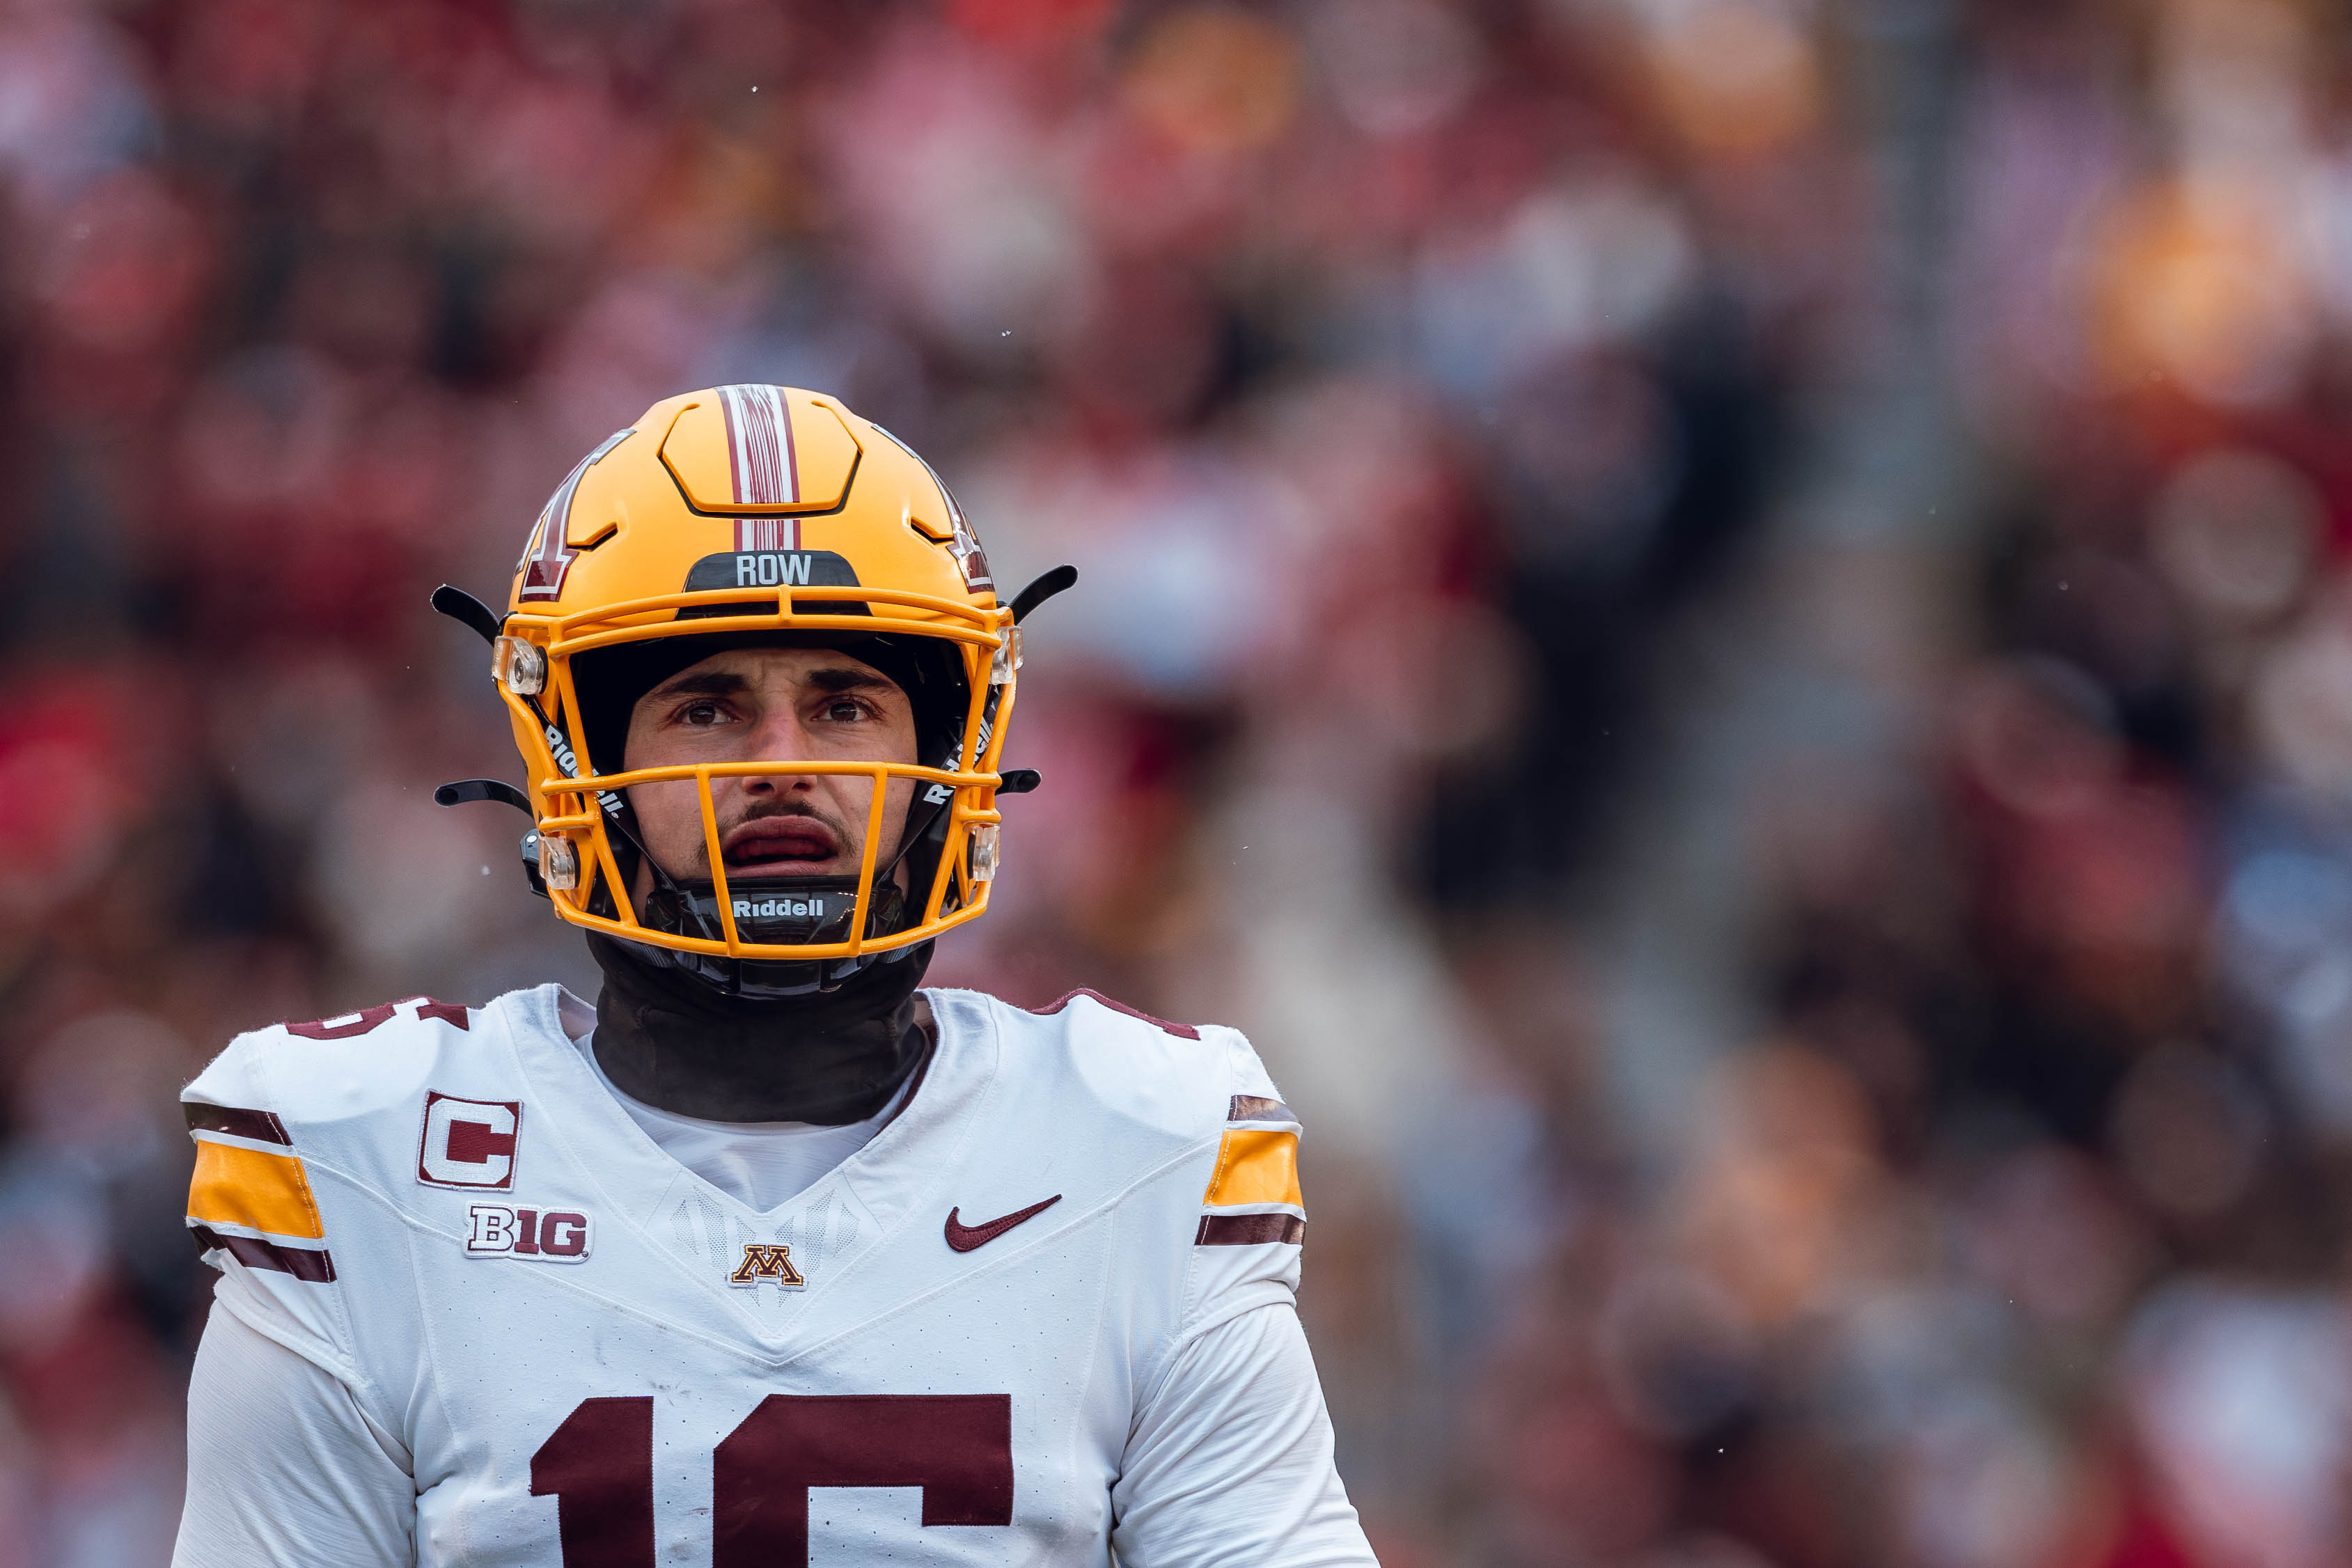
812, 909
569, 762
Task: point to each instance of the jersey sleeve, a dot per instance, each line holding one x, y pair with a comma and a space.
1230, 1458
1251, 1224
252, 1212
285, 1469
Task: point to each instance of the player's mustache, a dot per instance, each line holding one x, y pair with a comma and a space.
740, 834
763, 811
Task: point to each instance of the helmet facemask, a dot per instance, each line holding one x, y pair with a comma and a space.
778, 935
784, 910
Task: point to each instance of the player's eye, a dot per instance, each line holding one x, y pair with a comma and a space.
701, 715
844, 711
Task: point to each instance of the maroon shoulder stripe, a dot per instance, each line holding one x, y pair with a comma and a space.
1183, 1031
1250, 1229
1258, 1108
301, 1262
262, 1126
352, 1026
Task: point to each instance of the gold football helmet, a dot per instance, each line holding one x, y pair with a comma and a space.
745, 514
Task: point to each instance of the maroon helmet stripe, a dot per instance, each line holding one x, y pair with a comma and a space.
965, 544
262, 1126
1250, 1229
765, 469
303, 1262
550, 553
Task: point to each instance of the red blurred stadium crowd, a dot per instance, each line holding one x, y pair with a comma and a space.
1818, 970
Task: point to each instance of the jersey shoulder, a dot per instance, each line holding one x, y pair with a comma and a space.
332, 1070
1181, 1079
1229, 1205
283, 1107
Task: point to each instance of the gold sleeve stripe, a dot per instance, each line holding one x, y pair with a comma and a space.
236, 1186
1255, 1168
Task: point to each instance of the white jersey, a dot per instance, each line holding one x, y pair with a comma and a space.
582, 1353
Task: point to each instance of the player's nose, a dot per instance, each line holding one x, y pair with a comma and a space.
779, 734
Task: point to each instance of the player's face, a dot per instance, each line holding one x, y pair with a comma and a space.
746, 704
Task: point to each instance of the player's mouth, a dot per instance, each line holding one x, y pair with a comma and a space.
780, 845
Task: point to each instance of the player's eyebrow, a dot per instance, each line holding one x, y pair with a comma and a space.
845, 680
703, 683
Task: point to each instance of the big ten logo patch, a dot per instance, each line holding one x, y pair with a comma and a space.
554, 1236
468, 1142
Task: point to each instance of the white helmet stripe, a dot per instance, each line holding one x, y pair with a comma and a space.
766, 472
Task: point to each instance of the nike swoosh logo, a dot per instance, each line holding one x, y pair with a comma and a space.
964, 1237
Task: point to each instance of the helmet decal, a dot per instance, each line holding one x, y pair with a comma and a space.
548, 554
966, 548
961, 541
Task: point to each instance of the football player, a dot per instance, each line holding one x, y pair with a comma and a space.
769, 1257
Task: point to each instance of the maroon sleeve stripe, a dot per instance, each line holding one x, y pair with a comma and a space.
1250, 1229
301, 1262
262, 1126
1258, 1108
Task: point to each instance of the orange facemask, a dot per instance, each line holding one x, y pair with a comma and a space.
741, 512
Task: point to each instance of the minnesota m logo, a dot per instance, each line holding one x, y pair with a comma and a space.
764, 1261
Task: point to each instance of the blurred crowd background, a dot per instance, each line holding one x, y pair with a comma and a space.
1725, 625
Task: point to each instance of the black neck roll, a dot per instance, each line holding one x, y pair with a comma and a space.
831, 1057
